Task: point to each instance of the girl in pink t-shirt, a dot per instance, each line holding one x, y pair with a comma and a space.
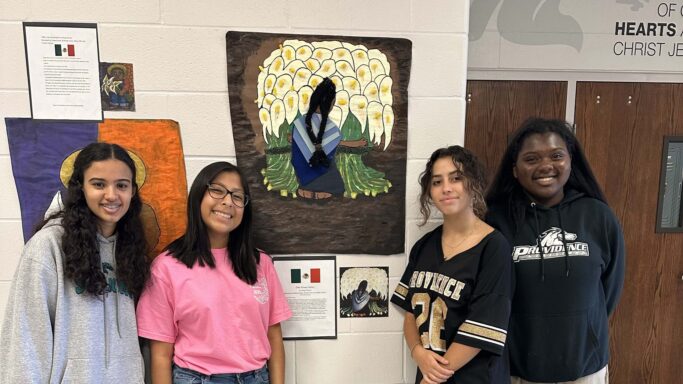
214, 304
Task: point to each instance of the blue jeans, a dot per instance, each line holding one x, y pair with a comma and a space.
188, 376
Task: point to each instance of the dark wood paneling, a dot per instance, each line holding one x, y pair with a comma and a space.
622, 126
496, 108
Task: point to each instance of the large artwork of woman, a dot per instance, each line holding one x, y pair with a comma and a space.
274, 81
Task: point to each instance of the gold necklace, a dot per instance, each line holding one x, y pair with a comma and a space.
456, 246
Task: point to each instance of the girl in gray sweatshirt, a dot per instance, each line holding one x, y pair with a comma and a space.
70, 315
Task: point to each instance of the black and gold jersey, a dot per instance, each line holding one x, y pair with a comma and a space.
464, 299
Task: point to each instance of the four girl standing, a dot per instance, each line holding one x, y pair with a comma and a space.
213, 305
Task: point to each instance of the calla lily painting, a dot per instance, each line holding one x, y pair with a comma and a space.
271, 80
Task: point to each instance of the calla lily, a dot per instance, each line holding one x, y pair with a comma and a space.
363, 75
337, 116
385, 91
342, 54
282, 85
304, 98
375, 125
388, 118
268, 100
344, 68
301, 78
312, 64
304, 52
327, 68
351, 85
342, 102
314, 81
321, 54
338, 84
288, 53
292, 67
269, 83
277, 116
277, 66
376, 54
291, 101
359, 108
260, 84
371, 91
376, 68
360, 57
264, 117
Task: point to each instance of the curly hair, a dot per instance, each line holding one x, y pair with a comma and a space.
82, 261
472, 170
194, 246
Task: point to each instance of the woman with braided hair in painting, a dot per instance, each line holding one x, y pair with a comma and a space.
314, 143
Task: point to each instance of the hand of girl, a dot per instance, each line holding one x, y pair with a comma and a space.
432, 365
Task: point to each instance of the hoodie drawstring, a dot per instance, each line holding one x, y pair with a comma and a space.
116, 308
538, 241
567, 266
118, 321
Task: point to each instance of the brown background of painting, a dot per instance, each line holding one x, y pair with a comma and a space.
284, 225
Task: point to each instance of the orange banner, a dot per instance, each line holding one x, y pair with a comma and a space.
163, 185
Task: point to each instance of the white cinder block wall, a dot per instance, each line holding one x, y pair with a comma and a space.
178, 51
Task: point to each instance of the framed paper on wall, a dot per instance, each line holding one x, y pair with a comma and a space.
309, 284
62, 61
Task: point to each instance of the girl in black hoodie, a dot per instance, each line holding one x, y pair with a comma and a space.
568, 254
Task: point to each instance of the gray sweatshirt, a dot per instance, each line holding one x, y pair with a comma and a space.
54, 332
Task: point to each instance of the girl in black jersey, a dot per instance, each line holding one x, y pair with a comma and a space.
457, 286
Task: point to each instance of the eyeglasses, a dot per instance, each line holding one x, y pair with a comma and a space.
219, 192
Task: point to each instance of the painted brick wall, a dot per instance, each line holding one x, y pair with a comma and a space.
177, 48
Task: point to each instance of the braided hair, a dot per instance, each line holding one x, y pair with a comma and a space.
323, 98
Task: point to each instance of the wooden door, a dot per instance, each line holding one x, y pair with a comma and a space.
622, 128
496, 108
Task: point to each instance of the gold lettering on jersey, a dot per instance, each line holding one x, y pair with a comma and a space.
442, 286
458, 288
435, 312
437, 325
413, 279
420, 279
448, 290
428, 278
436, 282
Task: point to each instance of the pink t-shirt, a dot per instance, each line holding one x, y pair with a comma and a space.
218, 323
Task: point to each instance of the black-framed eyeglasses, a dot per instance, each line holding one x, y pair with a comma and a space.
219, 192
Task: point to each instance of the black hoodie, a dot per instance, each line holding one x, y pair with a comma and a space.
565, 288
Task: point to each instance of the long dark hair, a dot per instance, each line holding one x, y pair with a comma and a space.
506, 190
194, 247
472, 170
82, 261
322, 97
